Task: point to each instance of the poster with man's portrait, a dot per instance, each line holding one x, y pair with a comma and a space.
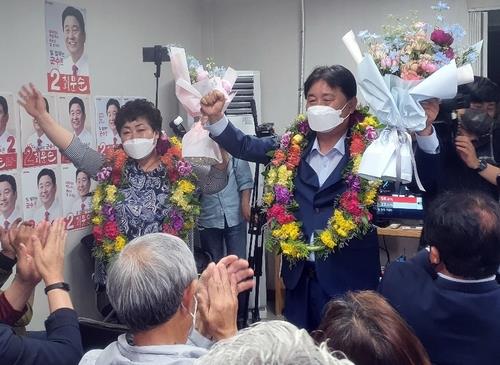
76, 197
9, 132
41, 193
10, 198
37, 148
67, 62
75, 115
106, 109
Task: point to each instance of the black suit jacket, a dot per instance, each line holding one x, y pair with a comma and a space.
458, 323
357, 265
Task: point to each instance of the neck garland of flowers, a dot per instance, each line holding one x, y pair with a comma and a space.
183, 200
351, 217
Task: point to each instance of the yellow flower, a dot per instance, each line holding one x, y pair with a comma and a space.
111, 193
178, 199
284, 175
271, 176
289, 249
97, 220
175, 141
356, 164
268, 198
327, 238
371, 121
370, 195
342, 226
186, 187
297, 139
287, 231
119, 243
300, 118
107, 248
97, 197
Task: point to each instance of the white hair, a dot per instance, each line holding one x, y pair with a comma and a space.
271, 343
146, 282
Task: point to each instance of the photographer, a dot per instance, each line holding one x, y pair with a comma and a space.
470, 139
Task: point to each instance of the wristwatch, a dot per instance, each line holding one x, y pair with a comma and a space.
482, 166
61, 285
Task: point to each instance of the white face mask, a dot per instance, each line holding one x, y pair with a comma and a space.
193, 326
139, 148
323, 118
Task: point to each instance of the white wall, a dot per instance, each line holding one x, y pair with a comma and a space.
116, 33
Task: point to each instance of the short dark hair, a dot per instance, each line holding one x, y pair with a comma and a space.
72, 11
483, 90
77, 100
464, 226
46, 104
335, 76
9, 179
46, 172
137, 108
114, 102
4, 105
369, 331
80, 170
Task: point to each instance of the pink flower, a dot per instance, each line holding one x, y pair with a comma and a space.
370, 133
440, 37
201, 74
226, 86
285, 140
429, 67
410, 75
184, 168
449, 53
104, 174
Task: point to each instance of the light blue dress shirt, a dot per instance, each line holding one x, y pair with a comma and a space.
226, 204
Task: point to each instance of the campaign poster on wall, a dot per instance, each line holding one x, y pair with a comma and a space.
75, 115
67, 62
37, 149
106, 109
41, 193
10, 198
76, 197
9, 132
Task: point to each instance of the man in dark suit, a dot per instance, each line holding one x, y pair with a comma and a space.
447, 293
318, 184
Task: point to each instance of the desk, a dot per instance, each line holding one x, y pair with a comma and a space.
410, 232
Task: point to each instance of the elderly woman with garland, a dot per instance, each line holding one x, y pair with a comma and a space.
145, 186
318, 207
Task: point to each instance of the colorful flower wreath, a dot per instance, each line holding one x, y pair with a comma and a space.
183, 200
351, 217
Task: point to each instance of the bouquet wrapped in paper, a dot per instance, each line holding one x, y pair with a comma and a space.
192, 82
408, 64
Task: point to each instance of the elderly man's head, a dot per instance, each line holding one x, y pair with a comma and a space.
272, 342
152, 282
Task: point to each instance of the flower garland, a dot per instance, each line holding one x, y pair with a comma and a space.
183, 200
351, 217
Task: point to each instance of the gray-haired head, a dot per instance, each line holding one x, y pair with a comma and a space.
271, 343
147, 280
